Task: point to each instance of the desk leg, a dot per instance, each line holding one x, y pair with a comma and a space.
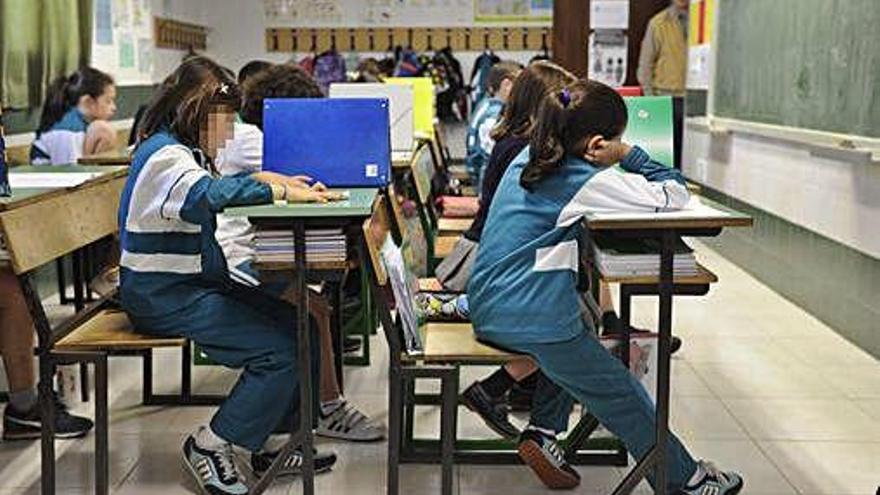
663, 366
336, 326
305, 360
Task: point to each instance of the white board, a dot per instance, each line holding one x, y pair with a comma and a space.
400, 103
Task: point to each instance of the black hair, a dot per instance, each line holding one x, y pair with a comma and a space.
498, 73
565, 120
529, 88
252, 68
184, 99
278, 81
65, 92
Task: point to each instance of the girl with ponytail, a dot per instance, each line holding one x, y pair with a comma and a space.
75, 118
523, 288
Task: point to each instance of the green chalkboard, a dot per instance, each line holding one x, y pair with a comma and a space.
811, 64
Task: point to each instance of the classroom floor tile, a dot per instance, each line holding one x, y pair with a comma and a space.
759, 386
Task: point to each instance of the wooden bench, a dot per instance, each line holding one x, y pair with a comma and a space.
68, 220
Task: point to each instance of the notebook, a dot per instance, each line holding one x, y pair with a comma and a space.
423, 97
400, 99
341, 142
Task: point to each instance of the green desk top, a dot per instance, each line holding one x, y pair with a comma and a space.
359, 204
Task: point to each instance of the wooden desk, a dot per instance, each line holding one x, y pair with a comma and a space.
298, 217
42, 223
109, 158
401, 161
707, 221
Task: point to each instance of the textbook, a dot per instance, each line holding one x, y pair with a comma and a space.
618, 257
322, 245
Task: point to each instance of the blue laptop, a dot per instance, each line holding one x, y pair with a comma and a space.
340, 142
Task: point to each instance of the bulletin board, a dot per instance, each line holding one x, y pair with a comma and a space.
122, 43
408, 13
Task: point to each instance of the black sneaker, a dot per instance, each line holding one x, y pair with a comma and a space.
27, 425
213, 470
493, 411
546, 458
260, 462
714, 482
674, 343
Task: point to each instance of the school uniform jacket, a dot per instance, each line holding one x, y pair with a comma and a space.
167, 218
523, 285
479, 142
62, 144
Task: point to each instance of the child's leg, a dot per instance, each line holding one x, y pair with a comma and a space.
260, 339
100, 138
599, 381
16, 336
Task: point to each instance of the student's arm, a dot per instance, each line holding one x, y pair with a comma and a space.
638, 161
483, 132
643, 186
208, 196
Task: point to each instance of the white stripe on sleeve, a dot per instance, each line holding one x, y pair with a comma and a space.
166, 263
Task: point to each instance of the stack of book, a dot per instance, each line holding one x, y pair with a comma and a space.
322, 245
617, 257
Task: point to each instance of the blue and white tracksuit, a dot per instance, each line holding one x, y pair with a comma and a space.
479, 141
62, 144
174, 282
523, 289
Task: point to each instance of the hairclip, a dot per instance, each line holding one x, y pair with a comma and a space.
565, 97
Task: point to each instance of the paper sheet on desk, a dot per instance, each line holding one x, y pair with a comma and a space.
694, 209
49, 180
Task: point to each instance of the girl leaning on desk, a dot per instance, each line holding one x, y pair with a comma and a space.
174, 278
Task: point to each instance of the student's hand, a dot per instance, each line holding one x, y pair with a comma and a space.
301, 181
607, 153
305, 195
318, 186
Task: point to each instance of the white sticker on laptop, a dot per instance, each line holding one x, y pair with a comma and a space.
371, 170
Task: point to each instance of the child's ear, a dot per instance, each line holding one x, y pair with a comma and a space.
593, 142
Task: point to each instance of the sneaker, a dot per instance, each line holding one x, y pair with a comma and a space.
493, 411
714, 482
27, 425
674, 343
541, 453
347, 423
260, 462
213, 470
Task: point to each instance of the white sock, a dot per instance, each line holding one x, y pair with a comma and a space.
207, 439
330, 406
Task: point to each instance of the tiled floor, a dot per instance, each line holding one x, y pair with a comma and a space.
759, 386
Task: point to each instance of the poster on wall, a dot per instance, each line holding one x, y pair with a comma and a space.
609, 14
699, 44
122, 40
353, 13
490, 11
607, 61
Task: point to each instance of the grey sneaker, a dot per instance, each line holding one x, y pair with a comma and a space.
714, 482
347, 423
213, 470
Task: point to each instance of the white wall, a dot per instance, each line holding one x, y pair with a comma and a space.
836, 199
238, 36
194, 11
